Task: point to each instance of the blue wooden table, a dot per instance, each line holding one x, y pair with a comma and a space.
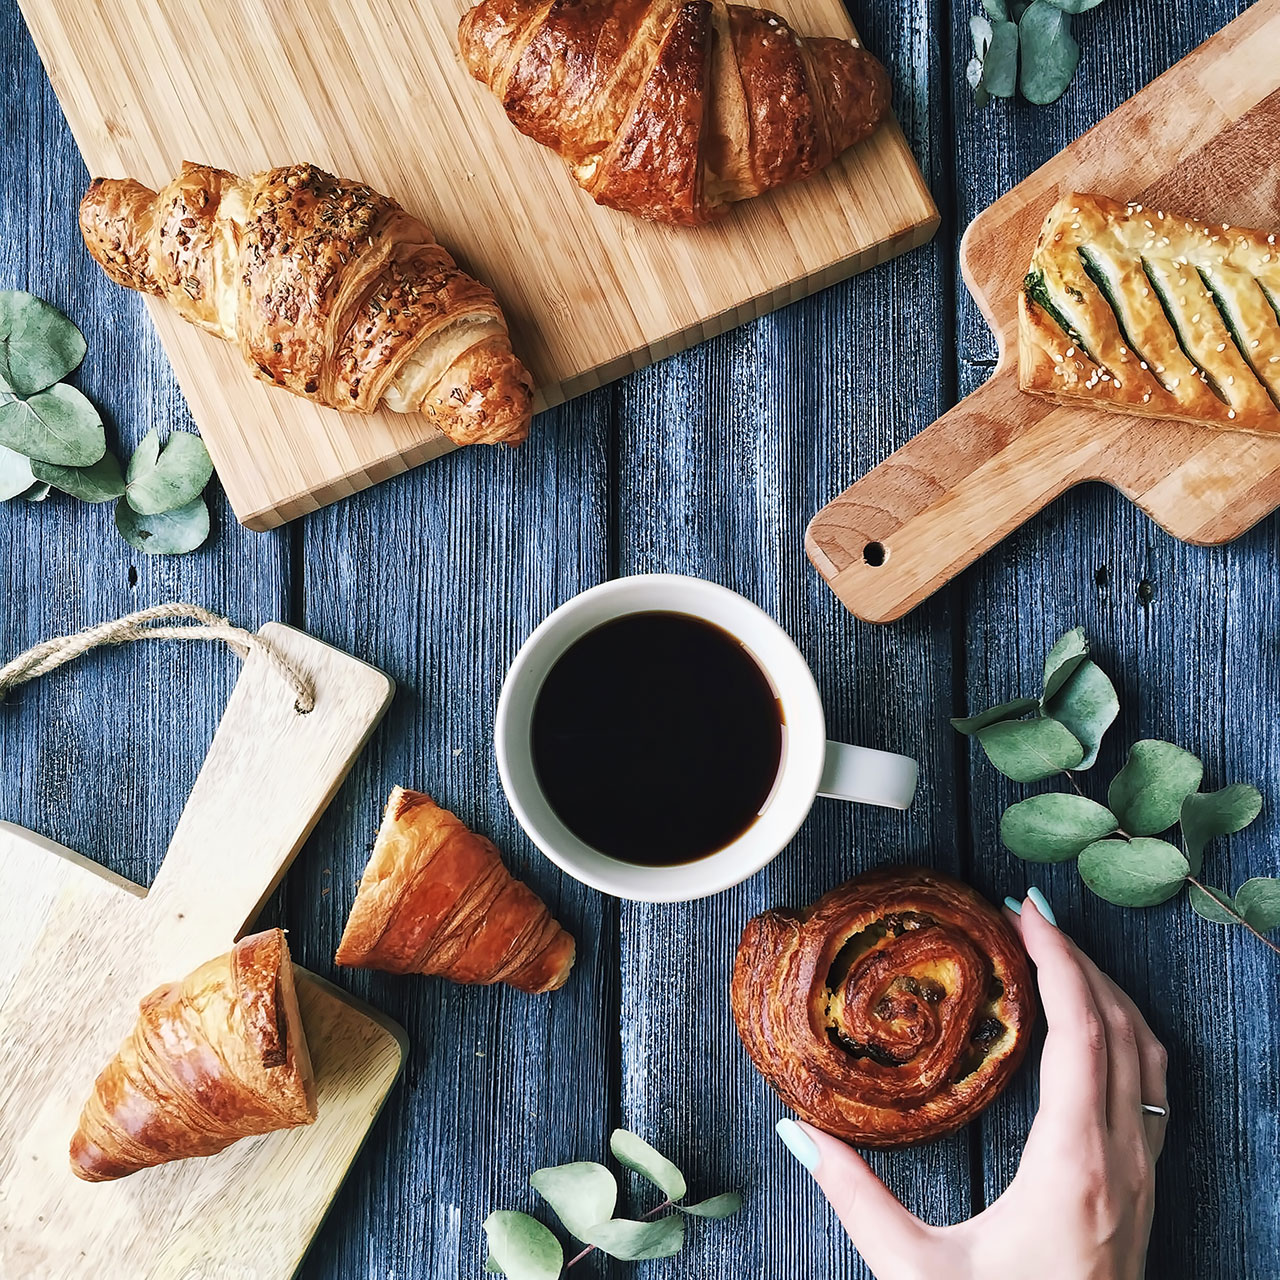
710, 463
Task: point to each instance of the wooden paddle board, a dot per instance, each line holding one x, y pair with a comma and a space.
378, 93
79, 947
1201, 140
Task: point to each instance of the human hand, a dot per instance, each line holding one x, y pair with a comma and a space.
1080, 1206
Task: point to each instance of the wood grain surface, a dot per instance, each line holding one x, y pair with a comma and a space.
709, 462
1200, 140
379, 94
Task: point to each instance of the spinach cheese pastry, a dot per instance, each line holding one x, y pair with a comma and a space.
1146, 311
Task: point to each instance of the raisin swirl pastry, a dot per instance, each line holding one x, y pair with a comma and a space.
891, 1012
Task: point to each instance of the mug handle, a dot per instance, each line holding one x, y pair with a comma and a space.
868, 776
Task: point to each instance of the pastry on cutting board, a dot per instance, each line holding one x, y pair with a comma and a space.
673, 110
329, 289
219, 1056
437, 899
891, 1012
1147, 311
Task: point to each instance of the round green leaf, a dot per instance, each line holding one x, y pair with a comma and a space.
1087, 704
1147, 794
1212, 904
1258, 900
1000, 63
37, 493
1075, 6
980, 30
973, 72
58, 426
1006, 711
168, 534
634, 1152
16, 476
1206, 815
165, 479
1133, 873
997, 11
582, 1194
101, 482
1054, 828
38, 344
522, 1247
721, 1206
633, 1241
1062, 661
1050, 54
1030, 750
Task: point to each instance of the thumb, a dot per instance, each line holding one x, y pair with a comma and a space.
892, 1241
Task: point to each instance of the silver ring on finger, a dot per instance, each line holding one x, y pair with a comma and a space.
1151, 1109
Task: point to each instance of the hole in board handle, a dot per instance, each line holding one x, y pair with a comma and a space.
875, 554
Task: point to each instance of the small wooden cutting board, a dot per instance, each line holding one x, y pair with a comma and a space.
377, 92
1201, 140
79, 947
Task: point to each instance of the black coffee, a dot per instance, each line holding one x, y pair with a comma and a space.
657, 738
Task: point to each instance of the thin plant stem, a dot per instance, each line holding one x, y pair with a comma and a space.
1231, 911
578, 1257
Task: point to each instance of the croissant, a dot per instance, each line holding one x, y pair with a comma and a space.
329, 290
672, 110
436, 898
212, 1059
893, 1011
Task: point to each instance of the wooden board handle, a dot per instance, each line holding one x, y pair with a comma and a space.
947, 497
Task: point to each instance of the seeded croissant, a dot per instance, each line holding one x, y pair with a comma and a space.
673, 110
330, 291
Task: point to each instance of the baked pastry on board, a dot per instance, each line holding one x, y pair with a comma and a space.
892, 1011
212, 1059
330, 291
1151, 312
437, 899
673, 109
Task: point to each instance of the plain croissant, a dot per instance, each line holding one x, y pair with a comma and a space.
668, 109
329, 290
212, 1059
436, 898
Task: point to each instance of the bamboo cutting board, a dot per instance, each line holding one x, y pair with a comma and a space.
1201, 140
377, 92
79, 947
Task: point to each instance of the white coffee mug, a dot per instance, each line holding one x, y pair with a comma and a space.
810, 766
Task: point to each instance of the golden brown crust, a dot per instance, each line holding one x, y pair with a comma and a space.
331, 291
672, 109
212, 1059
893, 1011
437, 899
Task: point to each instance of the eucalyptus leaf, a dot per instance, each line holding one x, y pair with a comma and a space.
1006, 711
1133, 873
522, 1247
1063, 659
1050, 54
996, 10
164, 479
37, 493
1087, 704
1212, 904
169, 533
58, 425
1000, 63
721, 1206
1258, 900
582, 1194
491, 1266
973, 73
1148, 793
16, 476
1030, 750
1216, 813
1075, 6
634, 1152
101, 482
633, 1241
38, 344
1054, 828
980, 30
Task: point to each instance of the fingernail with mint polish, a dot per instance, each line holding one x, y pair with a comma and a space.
1014, 905
1042, 905
798, 1143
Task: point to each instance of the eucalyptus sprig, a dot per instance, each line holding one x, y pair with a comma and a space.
1027, 46
584, 1196
51, 437
1114, 844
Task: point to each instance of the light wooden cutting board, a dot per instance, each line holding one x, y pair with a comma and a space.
377, 92
1203, 140
79, 947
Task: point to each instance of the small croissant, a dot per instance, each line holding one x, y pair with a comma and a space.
437, 899
329, 289
214, 1058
